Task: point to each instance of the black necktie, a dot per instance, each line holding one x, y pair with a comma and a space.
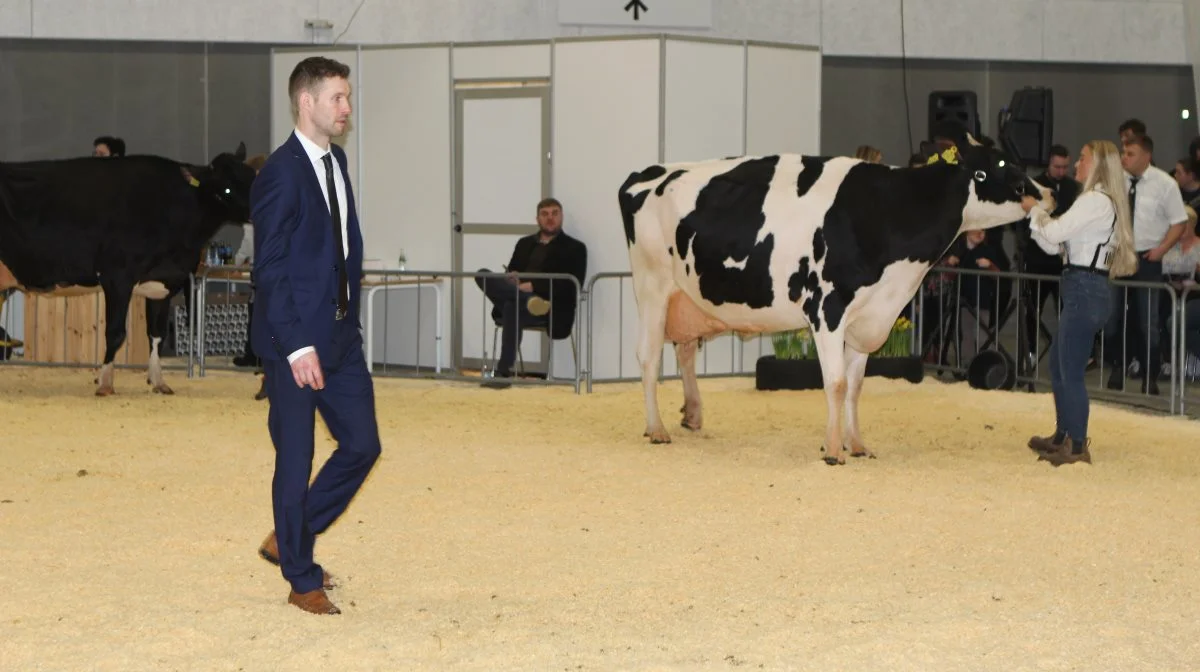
343, 299
1132, 197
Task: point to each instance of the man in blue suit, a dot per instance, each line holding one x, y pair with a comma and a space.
307, 277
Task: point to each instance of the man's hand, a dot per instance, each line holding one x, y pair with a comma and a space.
525, 286
1154, 254
983, 263
306, 370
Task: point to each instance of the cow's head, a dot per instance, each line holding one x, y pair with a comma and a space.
224, 183
996, 185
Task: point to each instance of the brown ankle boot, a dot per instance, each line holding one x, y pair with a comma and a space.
1066, 453
1044, 445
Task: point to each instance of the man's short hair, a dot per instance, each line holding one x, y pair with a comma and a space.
116, 146
547, 202
309, 73
1142, 141
1191, 165
1136, 125
1059, 150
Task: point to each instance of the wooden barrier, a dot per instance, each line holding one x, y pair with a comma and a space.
70, 329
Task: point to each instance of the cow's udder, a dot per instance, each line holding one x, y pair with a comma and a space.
686, 322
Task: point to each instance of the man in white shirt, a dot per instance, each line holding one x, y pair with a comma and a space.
1158, 220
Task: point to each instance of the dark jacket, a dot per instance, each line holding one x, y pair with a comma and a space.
564, 254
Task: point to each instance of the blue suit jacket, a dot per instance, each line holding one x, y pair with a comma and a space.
295, 257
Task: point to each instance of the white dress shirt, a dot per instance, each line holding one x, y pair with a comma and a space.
1158, 206
316, 158
1079, 232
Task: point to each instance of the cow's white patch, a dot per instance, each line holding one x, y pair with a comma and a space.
979, 214
873, 311
740, 265
151, 290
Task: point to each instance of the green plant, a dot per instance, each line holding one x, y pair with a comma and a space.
798, 343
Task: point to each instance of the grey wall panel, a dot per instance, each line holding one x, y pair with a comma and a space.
61, 94
862, 100
239, 98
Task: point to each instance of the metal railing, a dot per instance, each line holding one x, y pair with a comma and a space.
737, 355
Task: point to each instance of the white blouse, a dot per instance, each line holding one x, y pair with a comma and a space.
1081, 231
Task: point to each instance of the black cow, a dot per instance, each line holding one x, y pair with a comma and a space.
128, 225
776, 243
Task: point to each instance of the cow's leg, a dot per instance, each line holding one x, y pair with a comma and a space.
158, 313
830, 350
652, 306
856, 369
685, 354
117, 294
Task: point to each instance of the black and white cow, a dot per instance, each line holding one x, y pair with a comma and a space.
776, 243
127, 225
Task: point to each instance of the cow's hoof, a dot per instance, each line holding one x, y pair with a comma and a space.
862, 452
834, 461
163, 389
693, 425
105, 391
658, 437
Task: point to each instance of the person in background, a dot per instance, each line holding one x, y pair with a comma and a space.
106, 145
1156, 209
245, 256
1130, 129
1180, 266
1096, 237
1032, 259
1187, 176
538, 302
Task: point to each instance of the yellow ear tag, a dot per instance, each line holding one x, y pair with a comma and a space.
949, 156
193, 181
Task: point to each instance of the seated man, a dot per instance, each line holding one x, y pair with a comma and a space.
532, 302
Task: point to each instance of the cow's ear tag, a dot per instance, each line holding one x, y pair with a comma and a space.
950, 156
193, 181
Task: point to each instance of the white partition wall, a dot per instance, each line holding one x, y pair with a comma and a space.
405, 188
704, 118
616, 105
606, 125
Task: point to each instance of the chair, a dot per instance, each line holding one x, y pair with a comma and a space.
541, 328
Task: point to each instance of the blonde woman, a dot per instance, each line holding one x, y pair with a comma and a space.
1095, 237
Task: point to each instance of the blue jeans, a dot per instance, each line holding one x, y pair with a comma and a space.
1086, 305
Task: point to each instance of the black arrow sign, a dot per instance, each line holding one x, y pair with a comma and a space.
636, 6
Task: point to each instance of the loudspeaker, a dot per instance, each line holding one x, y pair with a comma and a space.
960, 107
1027, 125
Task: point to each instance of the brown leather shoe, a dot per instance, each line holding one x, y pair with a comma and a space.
314, 602
269, 551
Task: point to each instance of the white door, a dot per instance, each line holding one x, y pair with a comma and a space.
502, 138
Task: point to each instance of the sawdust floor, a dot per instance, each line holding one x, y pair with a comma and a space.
533, 529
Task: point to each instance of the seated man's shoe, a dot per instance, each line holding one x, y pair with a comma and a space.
269, 551
314, 602
1116, 379
537, 306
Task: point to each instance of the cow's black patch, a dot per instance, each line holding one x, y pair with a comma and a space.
687, 269
629, 203
882, 215
725, 225
813, 167
670, 251
818, 244
662, 186
812, 308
